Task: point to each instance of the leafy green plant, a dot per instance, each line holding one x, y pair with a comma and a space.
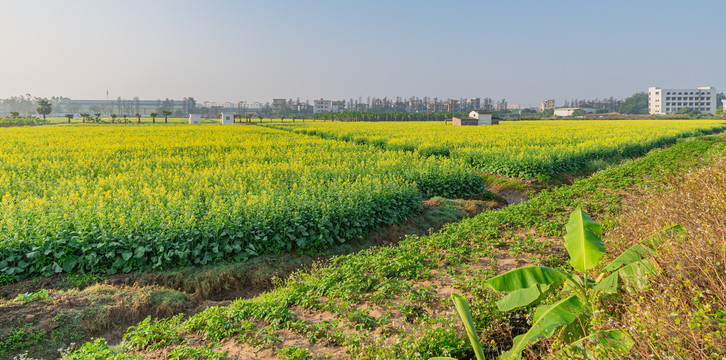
572, 315
32, 296
96, 350
150, 335
294, 353
183, 352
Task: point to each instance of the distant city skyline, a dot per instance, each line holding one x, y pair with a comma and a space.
227, 51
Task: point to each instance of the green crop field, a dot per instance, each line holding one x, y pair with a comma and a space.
110, 198
519, 149
190, 206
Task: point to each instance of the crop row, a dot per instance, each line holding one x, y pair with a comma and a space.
102, 198
21, 121
517, 149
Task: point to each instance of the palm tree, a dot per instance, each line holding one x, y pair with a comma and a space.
282, 118
98, 117
293, 118
69, 116
138, 116
44, 107
126, 119
249, 117
260, 116
113, 118
153, 117
166, 114
84, 116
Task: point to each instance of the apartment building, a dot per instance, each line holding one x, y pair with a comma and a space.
548, 104
669, 101
322, 106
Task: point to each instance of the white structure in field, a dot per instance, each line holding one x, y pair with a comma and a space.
227, 118
483, 117
195, 118
570, 111
669, 101
321, 105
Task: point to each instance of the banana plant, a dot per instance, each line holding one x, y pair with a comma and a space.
573, 313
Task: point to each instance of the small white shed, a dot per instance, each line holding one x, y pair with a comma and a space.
195, 118
227, 118
483, 117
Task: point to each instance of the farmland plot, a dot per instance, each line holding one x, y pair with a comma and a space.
517, 148
104, 198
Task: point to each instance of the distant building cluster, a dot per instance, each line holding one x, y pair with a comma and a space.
670, 101
125, 106
660, 102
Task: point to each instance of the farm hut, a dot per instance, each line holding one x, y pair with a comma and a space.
195, 118
483, 117
463, 121
227, 118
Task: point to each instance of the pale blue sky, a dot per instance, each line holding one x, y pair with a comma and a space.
524, 51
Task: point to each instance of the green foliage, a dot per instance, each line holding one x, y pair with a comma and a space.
21, 338
635, 104
586, 250
374, 275
153, 334
194, 200
19, 121
186, 352
575, 312
294, 353
44, 107
524, 149
97, 350
29, 297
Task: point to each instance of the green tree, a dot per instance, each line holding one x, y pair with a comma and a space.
153, 117
260, 117
14, 114
113, 118
69, 116
138, 116
578, 112
85, 116
98, 117
44, 107
126, 119
684, 110
249, 117
636, 104
166, 114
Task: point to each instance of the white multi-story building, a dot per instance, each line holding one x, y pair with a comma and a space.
322, 106
669, 101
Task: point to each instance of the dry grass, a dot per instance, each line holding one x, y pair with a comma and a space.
683, 315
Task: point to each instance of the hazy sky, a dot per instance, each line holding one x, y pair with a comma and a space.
524, 51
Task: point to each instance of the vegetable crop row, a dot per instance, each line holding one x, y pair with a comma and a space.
108, 199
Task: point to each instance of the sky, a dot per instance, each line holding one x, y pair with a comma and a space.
524, 51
